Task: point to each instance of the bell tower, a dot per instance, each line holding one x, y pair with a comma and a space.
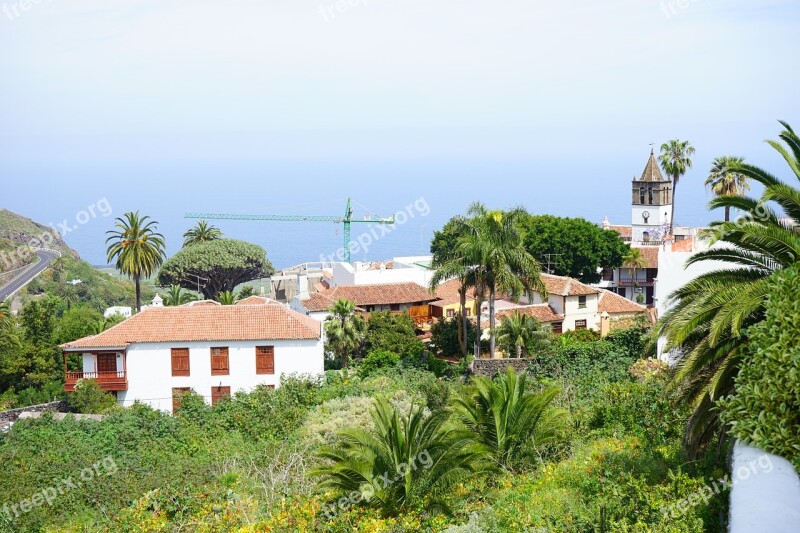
651, 203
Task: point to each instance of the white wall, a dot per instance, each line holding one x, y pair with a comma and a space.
356, 274
572, 312
765, 494
150, 379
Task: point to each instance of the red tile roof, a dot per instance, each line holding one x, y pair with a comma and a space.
364, 295
612, 303
254, 300
564, 286
542, 312
447, 293
624, 231
188, 323
650, 253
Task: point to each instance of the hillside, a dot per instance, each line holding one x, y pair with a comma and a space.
98, 289
17, 230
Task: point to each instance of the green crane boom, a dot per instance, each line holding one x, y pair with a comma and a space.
347, 219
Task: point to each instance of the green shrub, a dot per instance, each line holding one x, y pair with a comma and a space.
375, 360
90, 398
393, 333
765, 408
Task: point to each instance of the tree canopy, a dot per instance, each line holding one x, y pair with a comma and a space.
578, 248
215, 266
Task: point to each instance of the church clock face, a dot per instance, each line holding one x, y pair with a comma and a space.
645, 214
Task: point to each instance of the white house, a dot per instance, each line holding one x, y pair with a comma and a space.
216, 350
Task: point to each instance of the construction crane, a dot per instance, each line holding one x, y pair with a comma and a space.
346, 220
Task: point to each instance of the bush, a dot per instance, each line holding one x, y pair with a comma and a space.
394, 333
444, 336
764, 410
375, 360
90, 398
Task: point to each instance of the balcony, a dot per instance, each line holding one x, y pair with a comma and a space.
108, 381
630, 282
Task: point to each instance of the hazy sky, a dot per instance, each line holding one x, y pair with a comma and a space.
290, 107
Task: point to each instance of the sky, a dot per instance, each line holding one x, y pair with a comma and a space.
268, 107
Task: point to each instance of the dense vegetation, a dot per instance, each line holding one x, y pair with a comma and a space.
613, 461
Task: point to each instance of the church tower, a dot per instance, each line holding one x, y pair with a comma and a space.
651, 205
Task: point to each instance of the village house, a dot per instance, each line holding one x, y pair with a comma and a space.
391, 297
215, 350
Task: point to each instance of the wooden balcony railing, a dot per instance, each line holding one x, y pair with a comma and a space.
108, 381
630, 282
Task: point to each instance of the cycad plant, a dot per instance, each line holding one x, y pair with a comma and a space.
407, 460
176, 295
710, 315
507, 418
226, 298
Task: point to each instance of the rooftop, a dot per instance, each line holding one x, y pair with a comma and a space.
364, 295
614, 304
565, 286
266, 320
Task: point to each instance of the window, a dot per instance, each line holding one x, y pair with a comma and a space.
265, 359
180, 361
219, 362
468, 311
641, 195
557, 327
177, 395
608, 274
580, 324
218, 393
650, 195
451, 313
394, 307
581, 302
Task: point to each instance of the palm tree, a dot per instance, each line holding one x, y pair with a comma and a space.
69, 294
201, 232
522, 333
404, 461
177, 296
634, 259
136, 248
493, 244
708, 322
344, 330
226, 298
7, 325
675, 159
507, 419
450, 266
722, 181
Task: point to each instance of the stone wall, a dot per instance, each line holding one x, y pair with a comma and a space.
9, 417
490, 367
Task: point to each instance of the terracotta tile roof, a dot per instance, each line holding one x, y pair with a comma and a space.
650, 253
612, 303
203, 302
447, 293
254, 300
542, 312
188, 323
564, 286
624, 231
376, 265
317, 302
364, 295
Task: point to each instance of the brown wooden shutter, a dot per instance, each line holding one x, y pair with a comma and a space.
218, 393
265, 359
177, 395
180, 361
219, 362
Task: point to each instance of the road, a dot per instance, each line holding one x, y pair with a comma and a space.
8, 290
